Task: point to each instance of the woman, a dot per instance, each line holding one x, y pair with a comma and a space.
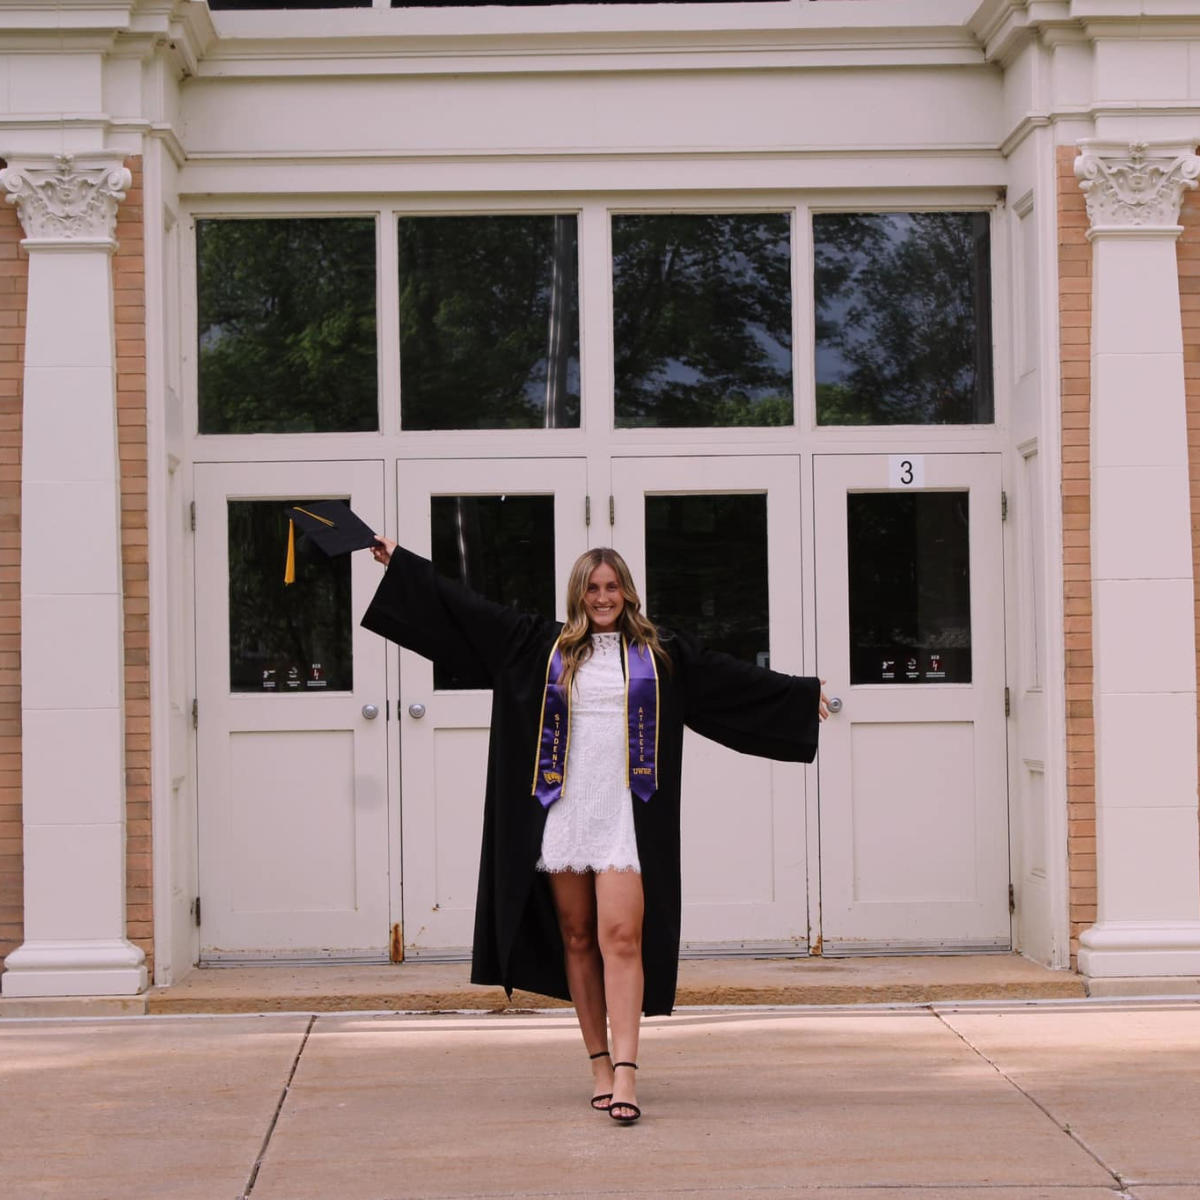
579, 893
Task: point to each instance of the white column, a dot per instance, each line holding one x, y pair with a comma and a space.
73, 787
1143, 592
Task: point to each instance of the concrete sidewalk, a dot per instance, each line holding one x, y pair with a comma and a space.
1056, 1100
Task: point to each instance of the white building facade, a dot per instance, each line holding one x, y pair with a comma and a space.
867, 330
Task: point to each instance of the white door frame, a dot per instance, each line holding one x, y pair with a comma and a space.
952, 909
354, 924
772, 913
439, 889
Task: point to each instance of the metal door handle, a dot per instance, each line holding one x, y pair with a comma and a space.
416, 711
835, 704
370, 711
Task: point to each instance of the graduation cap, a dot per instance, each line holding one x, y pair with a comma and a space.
330, 526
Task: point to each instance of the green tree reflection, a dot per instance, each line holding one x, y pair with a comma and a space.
903, 318
287, 325
489, 322
702, 319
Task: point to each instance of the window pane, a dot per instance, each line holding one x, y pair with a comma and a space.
287, 325
489, 322
499, 546
904, 318
702, 319
285, 637
910, 587
706, 570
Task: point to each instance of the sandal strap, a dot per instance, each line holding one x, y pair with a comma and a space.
600, 1054
625, 1064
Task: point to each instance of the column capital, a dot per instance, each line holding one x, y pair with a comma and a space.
1135, 186
65, 199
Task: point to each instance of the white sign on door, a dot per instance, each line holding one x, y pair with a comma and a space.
906, 471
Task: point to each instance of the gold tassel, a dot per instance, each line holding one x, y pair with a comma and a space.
289, 570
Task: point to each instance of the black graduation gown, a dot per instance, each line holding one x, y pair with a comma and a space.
750, 709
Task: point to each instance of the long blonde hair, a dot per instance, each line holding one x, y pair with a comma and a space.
575, 641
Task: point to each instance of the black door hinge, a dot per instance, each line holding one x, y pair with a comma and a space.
1012, 900
195, 714
196, 911
192, 515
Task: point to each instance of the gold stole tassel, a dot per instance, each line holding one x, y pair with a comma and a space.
289, 568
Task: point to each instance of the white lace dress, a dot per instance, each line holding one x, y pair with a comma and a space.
590, 827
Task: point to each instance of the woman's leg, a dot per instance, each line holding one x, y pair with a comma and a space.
619, 911
575, 902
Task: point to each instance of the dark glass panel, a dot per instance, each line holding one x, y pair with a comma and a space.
285, 637
706, 570
489, 322
904, 318
287, 325
910, 587
702, 319
499, 546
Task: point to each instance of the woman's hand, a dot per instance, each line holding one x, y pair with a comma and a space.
381, 552
823, 704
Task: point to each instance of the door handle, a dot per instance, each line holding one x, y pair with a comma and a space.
370, 711
416, 711
835, 704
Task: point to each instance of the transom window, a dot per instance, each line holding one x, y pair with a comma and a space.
489, 322
903, 316
702, 319
490, 312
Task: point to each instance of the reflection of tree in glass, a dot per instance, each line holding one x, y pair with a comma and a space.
489, 322
273, 627
702, 319
499, 546
706, 569
287, 325
903, 318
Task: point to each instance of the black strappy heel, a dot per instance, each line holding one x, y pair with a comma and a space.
633, 1108
602, 1095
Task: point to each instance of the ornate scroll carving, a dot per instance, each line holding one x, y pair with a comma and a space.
1138, 185
65, 199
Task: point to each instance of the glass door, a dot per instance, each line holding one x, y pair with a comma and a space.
291, 725
707, 539
910, 637
510, 529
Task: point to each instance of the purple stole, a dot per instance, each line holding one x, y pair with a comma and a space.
641, 708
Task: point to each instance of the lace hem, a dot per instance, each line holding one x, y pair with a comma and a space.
585, 868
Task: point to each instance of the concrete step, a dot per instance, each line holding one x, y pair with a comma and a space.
432, 987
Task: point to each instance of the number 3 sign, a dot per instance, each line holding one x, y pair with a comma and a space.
906, 471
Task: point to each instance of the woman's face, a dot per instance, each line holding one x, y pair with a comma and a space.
603, 599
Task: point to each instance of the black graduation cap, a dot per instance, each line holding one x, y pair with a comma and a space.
330, 526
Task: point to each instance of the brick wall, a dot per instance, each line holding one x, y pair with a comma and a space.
129, 299
13, 286
129, 295
1075, 319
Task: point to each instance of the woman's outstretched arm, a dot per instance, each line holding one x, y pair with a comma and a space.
444, 621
